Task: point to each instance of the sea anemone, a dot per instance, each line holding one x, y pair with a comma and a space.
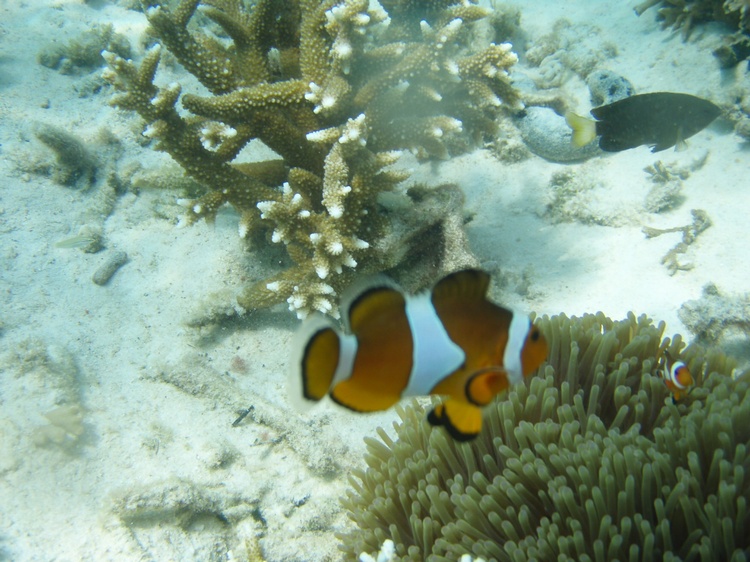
590, 459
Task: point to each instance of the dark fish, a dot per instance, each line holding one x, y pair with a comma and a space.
660, 120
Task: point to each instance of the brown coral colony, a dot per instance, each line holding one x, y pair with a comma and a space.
336, 89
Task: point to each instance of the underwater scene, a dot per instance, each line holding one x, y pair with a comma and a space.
374, 280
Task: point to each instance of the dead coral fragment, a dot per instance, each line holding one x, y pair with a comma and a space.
336, 89
588, 459
178, 518
76, 165
104, 272
84, 53
690, 232
715, 313
666, 192
65, 427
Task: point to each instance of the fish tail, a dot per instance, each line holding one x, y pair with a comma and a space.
315, 358
584, 129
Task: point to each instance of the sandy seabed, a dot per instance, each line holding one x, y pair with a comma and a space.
158, 470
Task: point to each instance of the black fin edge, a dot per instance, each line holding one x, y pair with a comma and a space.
305, 392
435, 419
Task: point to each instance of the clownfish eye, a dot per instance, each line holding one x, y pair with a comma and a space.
535, 334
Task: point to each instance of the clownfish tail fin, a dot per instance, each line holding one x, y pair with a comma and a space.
316, 351
584, 129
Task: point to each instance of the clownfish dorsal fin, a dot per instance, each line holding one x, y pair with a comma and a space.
466, 284
367, 299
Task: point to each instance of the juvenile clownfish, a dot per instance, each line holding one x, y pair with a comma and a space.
677, 377
449, 341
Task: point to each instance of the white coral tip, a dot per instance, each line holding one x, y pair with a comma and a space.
322, 305
359, 244
361, 19
274, 286
343, 49
336, 211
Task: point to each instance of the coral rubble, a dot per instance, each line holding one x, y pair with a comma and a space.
690, 232
84, 53
714, 313
587, 460
49, 376
336, 89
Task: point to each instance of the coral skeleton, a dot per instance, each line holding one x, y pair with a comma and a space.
337, 90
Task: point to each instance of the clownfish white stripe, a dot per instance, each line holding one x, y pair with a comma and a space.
435, 355
519, 329
347, 353
672, 374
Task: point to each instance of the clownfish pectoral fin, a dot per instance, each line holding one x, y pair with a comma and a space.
485, 384
315, 357
462, 421
584, 129
466, 284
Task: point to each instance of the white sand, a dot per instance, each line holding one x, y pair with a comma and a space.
160, 397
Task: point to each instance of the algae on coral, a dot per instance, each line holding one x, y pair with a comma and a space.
336, 89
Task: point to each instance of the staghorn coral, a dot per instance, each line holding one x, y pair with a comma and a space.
336, 89
683, 15
587, 460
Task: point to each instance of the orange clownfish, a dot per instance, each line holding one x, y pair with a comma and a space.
449, 341
677, 377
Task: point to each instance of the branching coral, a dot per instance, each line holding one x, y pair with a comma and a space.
684, 14
588, 460
336, 89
